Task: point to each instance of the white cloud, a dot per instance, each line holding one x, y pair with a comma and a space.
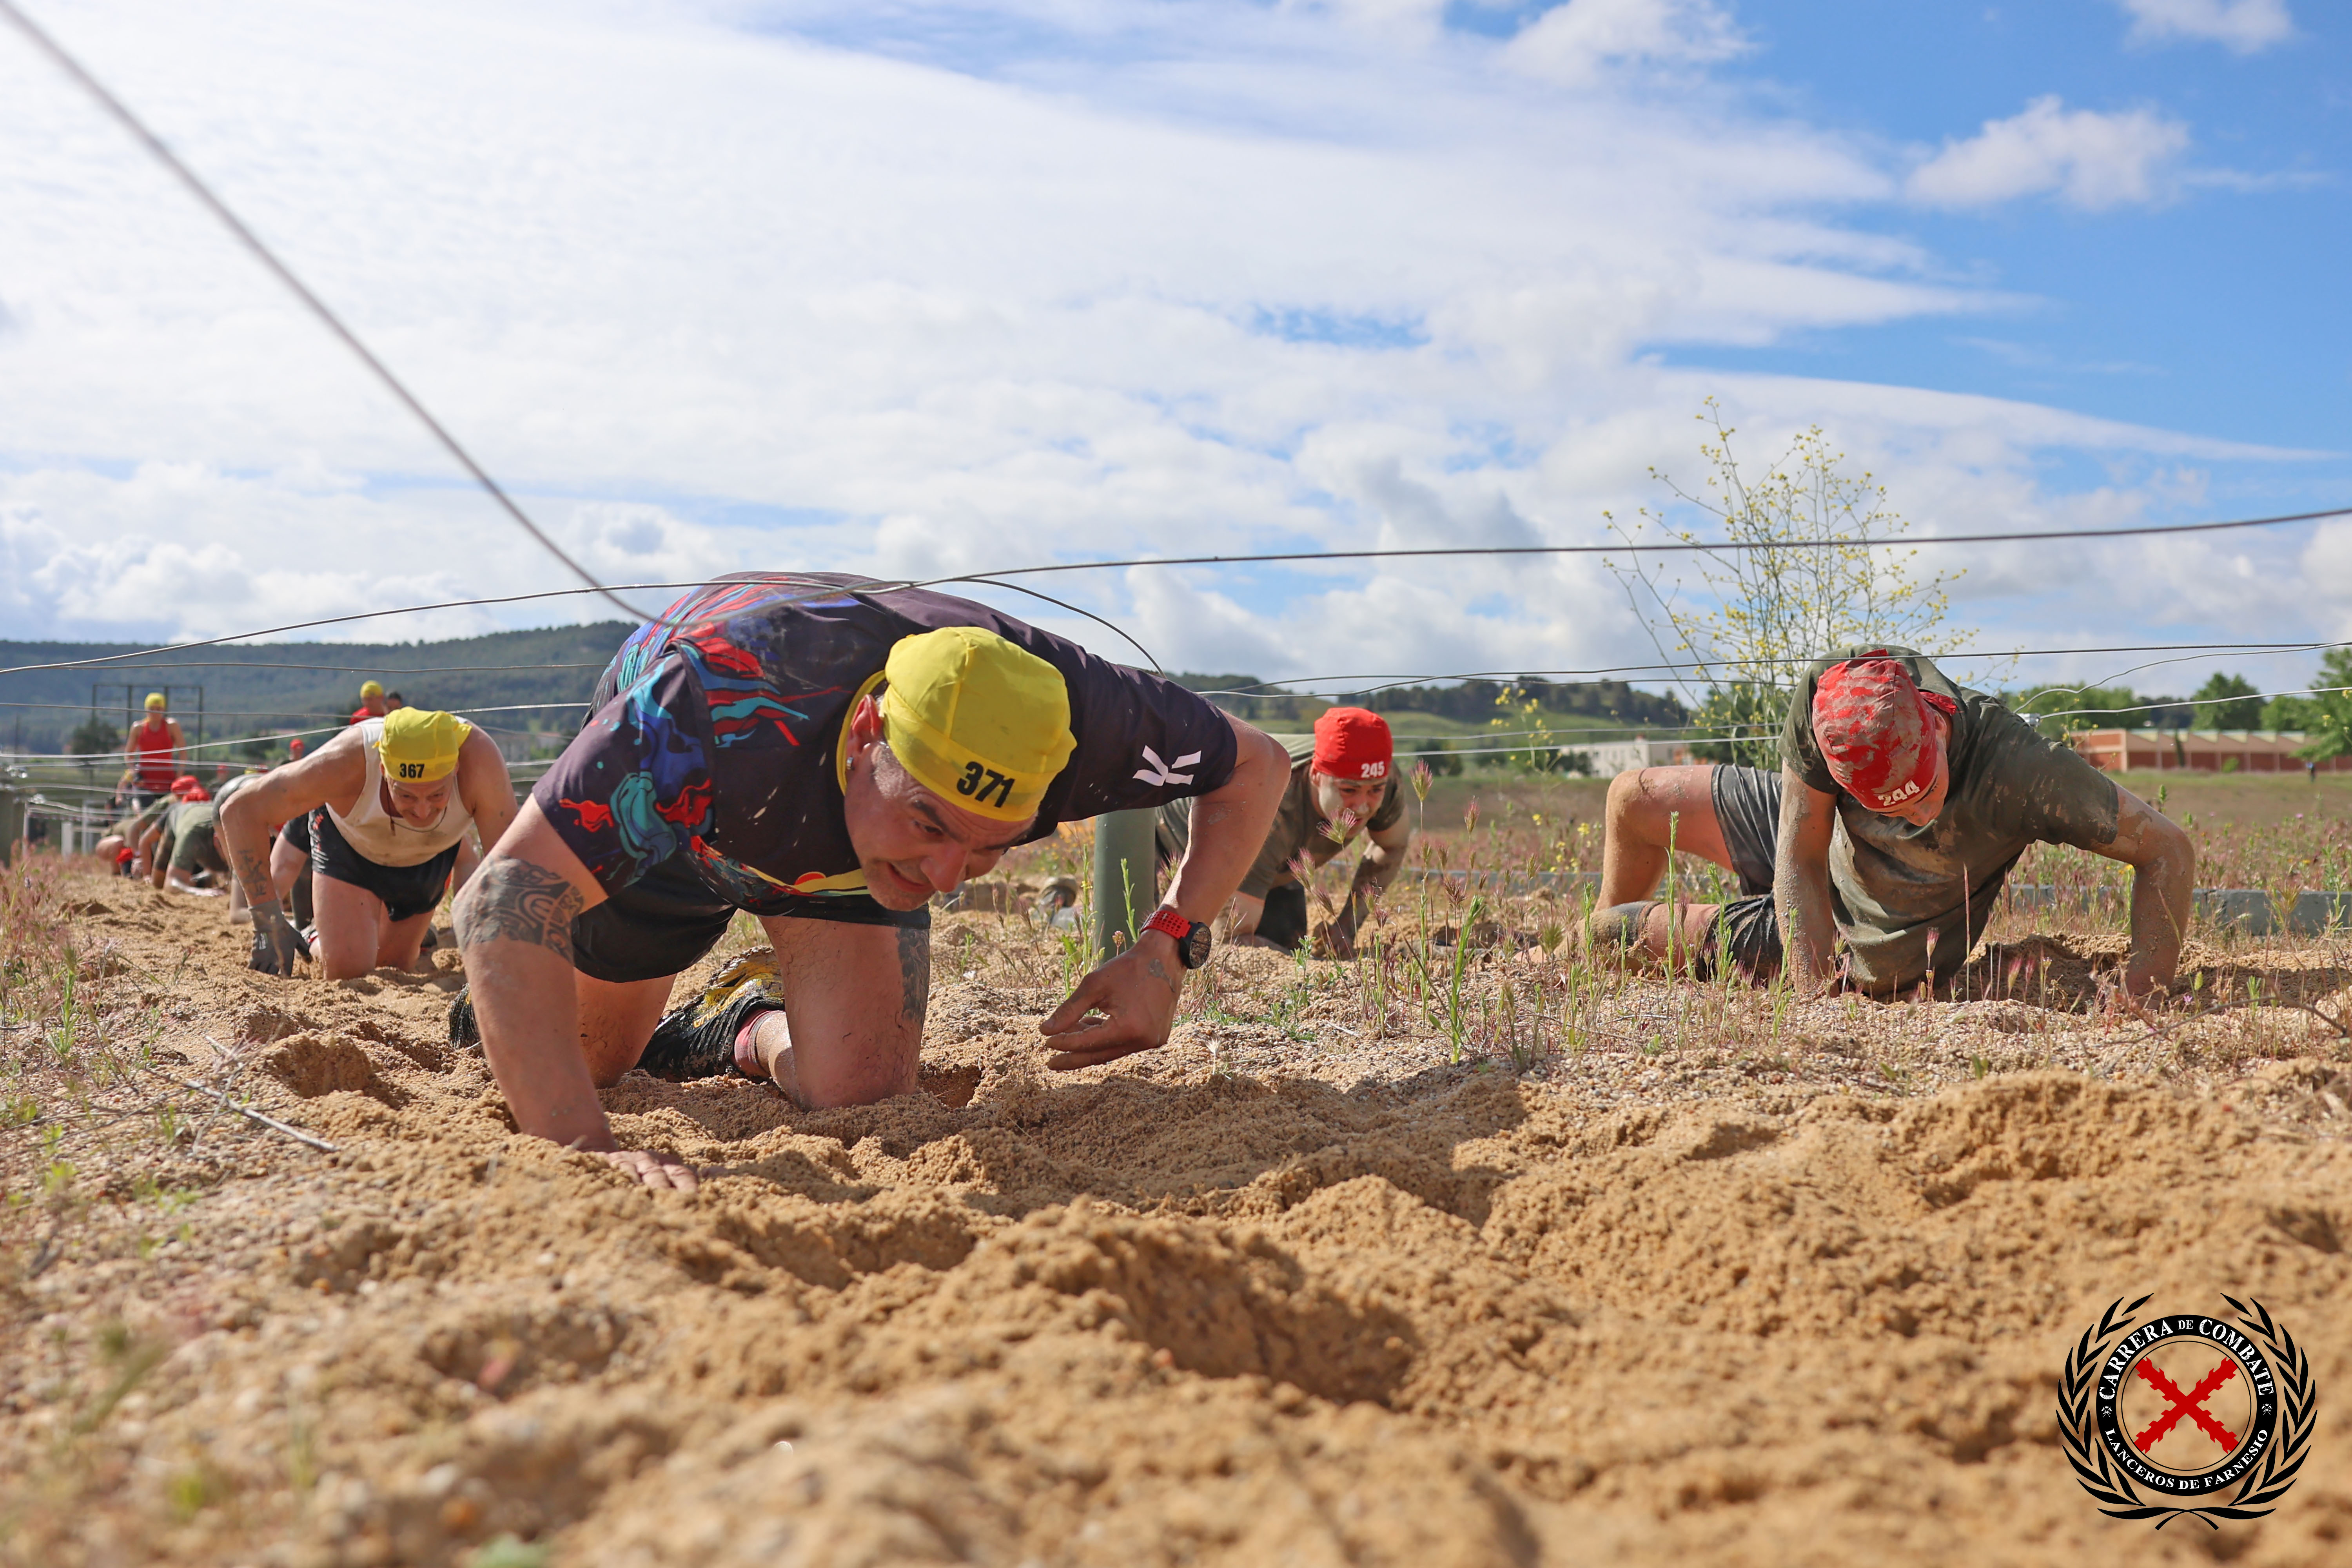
2090, 160
1212, 277
1577, 42
2245, 26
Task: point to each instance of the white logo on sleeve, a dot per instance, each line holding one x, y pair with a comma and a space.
1158, 773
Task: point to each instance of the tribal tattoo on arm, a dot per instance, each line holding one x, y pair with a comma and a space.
253, 871
514, 900
914, 972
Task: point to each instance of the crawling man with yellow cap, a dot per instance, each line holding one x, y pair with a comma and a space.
828, 754
385, 809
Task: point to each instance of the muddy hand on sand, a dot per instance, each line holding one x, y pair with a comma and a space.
1275, 1294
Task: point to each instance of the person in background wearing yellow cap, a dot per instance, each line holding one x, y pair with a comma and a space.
828, 754
386, 805
153, 751
372, 704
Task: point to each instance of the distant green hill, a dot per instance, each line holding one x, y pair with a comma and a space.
1608, 706
258, 688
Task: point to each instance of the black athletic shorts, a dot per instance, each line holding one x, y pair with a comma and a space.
406, 891
297, 832
1283, 921
1747, 930
669, 918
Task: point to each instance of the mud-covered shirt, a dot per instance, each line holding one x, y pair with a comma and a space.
146, 816
1300, 828
1892, 884
191, 841
718, 736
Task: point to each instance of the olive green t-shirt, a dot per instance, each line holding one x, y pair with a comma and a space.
1891, 883
1299, 827
191, 841
147, 816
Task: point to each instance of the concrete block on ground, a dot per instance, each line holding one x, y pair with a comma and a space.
2249, 910
2243, 909
2318, 913
2043, 896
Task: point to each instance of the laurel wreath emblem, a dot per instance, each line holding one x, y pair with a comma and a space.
2114, 1489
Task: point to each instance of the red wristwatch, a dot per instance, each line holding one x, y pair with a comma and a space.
1191, 937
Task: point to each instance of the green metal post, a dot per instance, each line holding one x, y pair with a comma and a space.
1127, 878
12, 824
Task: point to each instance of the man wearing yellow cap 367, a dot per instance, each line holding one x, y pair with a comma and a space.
384, 808
828, 754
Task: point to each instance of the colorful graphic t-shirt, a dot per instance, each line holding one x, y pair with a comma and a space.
719, 728
1892, 884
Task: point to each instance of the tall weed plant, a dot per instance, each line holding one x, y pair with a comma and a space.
1743, 621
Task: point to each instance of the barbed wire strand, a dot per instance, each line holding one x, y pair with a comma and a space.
991, 578
1693, 733
212, 713
1265, 688
265, 664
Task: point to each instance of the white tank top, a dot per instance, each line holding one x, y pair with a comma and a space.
385, 838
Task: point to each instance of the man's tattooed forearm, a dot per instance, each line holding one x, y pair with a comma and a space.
514, 900
253, 871
914, 972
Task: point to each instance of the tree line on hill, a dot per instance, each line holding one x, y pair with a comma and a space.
257, 692
1610, 705
1522, 711
2225, 701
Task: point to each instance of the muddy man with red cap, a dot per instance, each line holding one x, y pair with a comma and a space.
1343, 782
1876, 853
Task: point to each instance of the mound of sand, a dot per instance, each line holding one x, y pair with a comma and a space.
1294, 1305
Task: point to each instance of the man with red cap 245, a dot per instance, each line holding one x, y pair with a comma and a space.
1342, 779
1902, 803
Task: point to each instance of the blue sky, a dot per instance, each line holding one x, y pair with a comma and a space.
934, 287
2219, 309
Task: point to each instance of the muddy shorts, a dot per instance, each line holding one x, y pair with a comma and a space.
1747, 930
407, 891
668, 919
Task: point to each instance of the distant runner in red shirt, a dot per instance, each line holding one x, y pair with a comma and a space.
372, 703
154, 750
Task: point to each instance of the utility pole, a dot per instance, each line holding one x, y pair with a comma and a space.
1127, 878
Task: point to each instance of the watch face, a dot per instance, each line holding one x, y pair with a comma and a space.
1194, 948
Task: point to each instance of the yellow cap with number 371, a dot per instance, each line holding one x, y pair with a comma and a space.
981, 722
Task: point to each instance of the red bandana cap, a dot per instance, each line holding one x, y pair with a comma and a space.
1871, 723
1353, 743
187, 786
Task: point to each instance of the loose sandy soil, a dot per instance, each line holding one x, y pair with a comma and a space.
1709, 1289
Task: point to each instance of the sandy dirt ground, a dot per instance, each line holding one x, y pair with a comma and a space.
1292, 1291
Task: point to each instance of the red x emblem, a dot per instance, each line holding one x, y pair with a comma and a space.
2191, 1404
